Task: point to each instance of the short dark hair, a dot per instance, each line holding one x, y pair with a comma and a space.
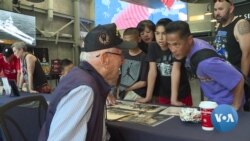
131, 31
179, 26
7, 51
145, 23
163, 22
229, 1
65, 62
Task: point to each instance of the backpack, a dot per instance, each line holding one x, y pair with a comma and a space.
204, 54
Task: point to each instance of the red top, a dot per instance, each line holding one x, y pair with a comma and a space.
9, 69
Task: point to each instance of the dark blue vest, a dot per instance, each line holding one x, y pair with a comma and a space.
84, 75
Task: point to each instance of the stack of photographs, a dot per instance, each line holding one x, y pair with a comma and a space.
132, 106
145, 114
147, 119
116, 114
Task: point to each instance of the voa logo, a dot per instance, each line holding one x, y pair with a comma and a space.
224, 118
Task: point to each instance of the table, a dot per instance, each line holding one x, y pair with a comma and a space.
171, 130
175, 130
7, 99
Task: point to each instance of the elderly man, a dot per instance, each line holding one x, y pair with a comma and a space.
77, 111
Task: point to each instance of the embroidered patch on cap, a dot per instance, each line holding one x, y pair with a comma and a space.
104, 38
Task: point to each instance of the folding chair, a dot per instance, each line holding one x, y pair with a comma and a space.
22, 119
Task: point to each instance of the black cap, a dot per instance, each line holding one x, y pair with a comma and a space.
7, 51
104, 37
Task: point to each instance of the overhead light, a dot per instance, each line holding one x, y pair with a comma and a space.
196, 18
208, 13
213, 21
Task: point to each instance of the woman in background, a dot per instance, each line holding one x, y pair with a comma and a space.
31, 70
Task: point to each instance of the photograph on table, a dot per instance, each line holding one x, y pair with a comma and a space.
147, 119
173, 111
128, 105
116, 114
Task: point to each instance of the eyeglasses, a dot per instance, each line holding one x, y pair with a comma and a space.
118, 54
229, 1
114, 53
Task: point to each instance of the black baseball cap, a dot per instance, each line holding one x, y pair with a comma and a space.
7, 51
104, 37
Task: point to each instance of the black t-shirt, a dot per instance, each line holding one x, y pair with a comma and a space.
226, 45
164, 62
144, 47
134, 69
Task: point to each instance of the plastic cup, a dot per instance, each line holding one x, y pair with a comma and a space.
207, 108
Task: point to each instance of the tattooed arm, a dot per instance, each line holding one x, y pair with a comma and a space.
242, 34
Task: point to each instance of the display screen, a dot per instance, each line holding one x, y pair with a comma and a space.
126, 14
17, 27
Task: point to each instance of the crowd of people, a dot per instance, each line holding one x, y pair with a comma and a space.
147, 65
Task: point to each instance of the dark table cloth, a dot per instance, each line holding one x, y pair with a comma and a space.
171, 130
176, 130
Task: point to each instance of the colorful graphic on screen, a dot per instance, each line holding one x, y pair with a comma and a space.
126, 14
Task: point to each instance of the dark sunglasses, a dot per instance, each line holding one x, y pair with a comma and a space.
222, 1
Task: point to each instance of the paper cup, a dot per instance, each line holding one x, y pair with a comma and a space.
207, 108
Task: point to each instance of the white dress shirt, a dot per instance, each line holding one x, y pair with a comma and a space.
72, 115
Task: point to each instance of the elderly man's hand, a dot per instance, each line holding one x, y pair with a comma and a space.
111, 100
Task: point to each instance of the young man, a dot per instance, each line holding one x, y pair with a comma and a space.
77, 111
167, 75
219, 81
9, 64
134, 70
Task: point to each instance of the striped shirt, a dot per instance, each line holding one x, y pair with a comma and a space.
72, 115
